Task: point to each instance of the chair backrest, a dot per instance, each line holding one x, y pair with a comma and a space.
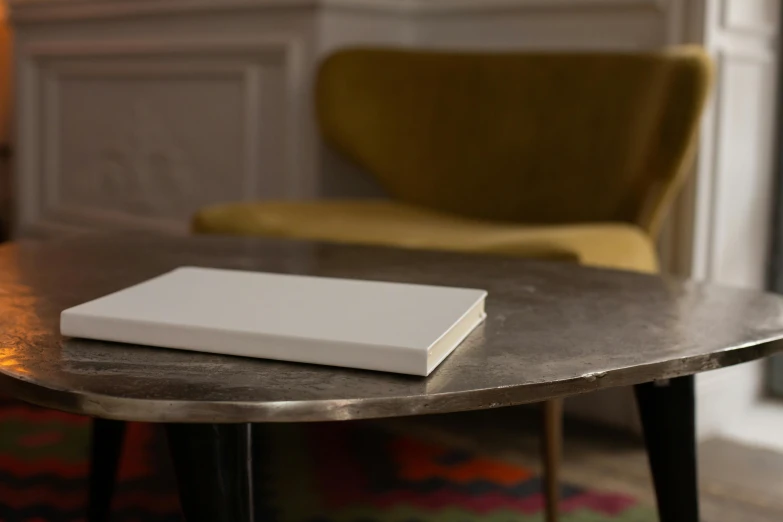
524, 137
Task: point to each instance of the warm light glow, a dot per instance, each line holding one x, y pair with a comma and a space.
18, 308
8, 360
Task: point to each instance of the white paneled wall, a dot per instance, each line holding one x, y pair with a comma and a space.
135, 113
139, 127
736, 184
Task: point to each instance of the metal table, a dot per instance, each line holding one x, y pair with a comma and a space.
553, 330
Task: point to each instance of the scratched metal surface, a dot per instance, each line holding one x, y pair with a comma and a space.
553, 329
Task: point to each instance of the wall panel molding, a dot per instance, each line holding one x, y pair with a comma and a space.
731, 235
739, 70
31, 11
751, 17
143, 167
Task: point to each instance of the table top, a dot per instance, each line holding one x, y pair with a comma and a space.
552, 329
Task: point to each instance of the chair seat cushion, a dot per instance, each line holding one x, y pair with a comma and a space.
387, 223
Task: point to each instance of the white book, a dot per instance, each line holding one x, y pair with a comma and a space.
391, 327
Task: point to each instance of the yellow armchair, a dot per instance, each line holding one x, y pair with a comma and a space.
388, 223
558, 155
550, 154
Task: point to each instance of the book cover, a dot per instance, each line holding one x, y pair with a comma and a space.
393, 327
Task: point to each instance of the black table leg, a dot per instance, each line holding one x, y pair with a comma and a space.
213, 464
552, 445
105, 453
668, 412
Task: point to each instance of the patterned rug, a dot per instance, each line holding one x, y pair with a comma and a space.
334, 472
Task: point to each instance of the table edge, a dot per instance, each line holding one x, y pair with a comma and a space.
161, 410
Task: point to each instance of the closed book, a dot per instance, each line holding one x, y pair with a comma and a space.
393, 327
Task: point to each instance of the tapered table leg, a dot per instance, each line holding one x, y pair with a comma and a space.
668, 411
105, 453
213, 465
552, 448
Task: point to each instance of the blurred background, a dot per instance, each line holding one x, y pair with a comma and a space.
134, 114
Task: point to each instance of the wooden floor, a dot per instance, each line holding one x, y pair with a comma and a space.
738, 483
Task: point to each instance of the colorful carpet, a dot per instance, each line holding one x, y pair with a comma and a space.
332, 472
